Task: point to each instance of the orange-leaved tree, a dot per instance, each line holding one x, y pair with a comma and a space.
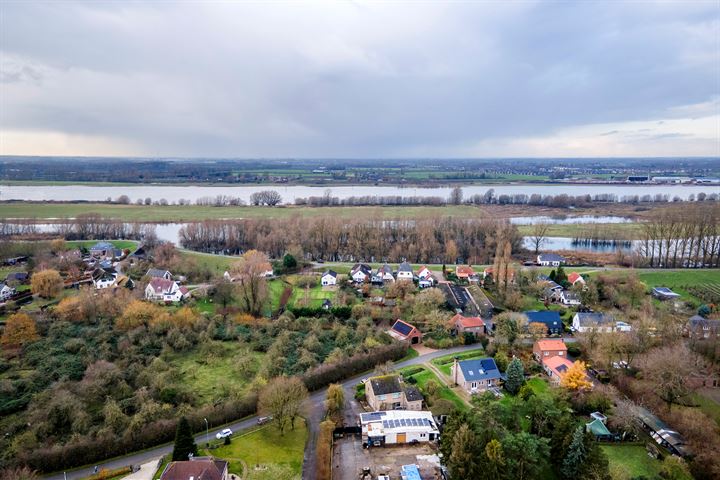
19, 330
576, 377
46, 283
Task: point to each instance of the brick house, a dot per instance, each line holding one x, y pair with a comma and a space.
549, 347
405, 332
387, 392
461, 324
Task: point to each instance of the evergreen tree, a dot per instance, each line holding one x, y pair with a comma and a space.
184, 441
561, 276
464, 456
515, 376
552, 275
575, 457
289, 262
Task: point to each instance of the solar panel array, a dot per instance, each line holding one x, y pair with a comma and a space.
406, 422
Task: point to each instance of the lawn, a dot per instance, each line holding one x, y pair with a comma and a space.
632, 459
217, 264
445, 362
265, 446
312, 297
707, 405
210, 378
276, 288
424, 376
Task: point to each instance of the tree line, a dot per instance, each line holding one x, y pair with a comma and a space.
687, 236
434, 240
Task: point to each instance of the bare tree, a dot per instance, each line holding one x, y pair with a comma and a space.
539, 235
456, 196
282, 398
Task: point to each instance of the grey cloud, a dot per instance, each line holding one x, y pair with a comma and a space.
201, 79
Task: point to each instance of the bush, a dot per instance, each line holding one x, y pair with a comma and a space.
326, 374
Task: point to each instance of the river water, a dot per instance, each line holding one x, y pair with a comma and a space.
169, 232
174, 194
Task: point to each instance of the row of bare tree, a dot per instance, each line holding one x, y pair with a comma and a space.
433, 240
85, 227
685, 236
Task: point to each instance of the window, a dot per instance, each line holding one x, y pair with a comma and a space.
473, 385
381, 397
396, 395
560, 354
422, 435
546, 353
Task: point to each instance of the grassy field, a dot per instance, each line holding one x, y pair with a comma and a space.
217, 264
425, 375
632, 459
311, 297
707, 405
265, 446
677, 279
211, 377
612, 230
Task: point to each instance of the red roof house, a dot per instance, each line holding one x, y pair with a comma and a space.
405, 332
463, 324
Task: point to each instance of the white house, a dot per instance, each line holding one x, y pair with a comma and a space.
550, 260
328, 278
426, 282
599, 322
6, 291
424, 272
397, 427
104, 278
161, 290
405, 272
360, 273
385, 273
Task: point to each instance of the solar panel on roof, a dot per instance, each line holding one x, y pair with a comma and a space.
402, 327
402, 422
385, 424
397, 423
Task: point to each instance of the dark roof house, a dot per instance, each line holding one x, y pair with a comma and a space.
480, 369
405, 332
548, 318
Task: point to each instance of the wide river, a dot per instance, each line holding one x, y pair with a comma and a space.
173, 194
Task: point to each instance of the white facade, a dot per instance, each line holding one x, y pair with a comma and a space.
328, 279
161, 290
359, 276
105, 282
397, 427
6, 291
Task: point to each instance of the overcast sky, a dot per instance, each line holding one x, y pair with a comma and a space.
360, 79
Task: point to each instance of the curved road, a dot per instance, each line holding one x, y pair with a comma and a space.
315, 413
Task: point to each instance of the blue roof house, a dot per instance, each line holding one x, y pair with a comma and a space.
550, 319
476, 376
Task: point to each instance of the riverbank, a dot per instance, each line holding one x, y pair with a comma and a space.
186, 213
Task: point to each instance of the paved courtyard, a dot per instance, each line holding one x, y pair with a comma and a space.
349, 459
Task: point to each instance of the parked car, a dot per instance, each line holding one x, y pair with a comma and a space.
224, 433
263, 420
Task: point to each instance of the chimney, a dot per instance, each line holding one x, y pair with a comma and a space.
455, 369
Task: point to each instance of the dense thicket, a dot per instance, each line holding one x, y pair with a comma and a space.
427, 240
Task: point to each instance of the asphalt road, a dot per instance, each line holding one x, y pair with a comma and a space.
315, 411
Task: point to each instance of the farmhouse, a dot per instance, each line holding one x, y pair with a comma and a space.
549, 347
158, 273
461, 324
664, 293
405, 272
476, 375
550, 319
550, 260
105, 250
161, 290
104, 277
360, 273
197, 468
397, 427
329, 277
405, 332
387, 392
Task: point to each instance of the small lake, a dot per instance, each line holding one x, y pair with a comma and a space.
568, 220
553, 244
175, 193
